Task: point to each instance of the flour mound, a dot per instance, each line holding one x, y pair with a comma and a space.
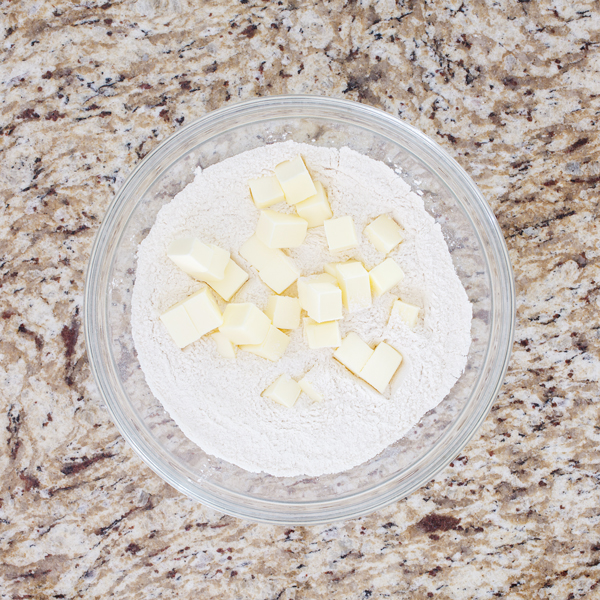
217, 402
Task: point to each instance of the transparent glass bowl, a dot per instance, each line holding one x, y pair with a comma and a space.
477, 249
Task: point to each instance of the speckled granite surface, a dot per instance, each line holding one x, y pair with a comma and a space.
509, 88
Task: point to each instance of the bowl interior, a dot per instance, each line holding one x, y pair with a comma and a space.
471, 235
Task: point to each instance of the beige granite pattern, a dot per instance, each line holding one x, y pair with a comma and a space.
511, 88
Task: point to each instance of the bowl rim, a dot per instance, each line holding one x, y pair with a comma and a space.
311, 511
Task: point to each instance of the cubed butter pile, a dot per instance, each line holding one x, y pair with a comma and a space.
280, 230
354, 283
315, 210
205, 262
322, 335
266, 191
308, 386
233, 279
285, 390
246, 326
188, 320
320, 297
274, 267
272, 347
209, 263
295, 180
284, 312
323, 297
225, 347
353, 353
376, 367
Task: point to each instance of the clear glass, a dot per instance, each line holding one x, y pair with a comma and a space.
477, 249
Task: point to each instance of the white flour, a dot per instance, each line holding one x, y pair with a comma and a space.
217, 402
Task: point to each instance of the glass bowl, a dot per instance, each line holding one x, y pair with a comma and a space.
477, 249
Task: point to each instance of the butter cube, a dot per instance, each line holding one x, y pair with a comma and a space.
324, 278
281, 275
294, 178
284, 312
322, 300
307, 386
385, 276
273, 266
205, 262
179, 325
233, 279
283, 390
257, 254
280, 230
331, 269
204, 311
355, 284
315, 210
341, 234
224, 346
245, 324
266, 191
380, 368
322, 335
409, 313
353, 353
384, 234
273, 346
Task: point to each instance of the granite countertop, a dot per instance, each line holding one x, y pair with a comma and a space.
511, 89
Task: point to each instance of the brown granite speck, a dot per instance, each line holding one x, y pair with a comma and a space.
510, 89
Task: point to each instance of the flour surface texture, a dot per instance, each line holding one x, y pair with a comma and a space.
217, 401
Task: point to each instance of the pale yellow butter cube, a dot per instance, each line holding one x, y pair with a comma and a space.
204, 311
353, 353
224, 346
322, 335
284, 312
205, 262
275, 268
272, 348
324, 278
409, 313
180, 325
280, 230
233, 280
340, 234
331, 268
385, 276
245, 324
316, 209
322, 300
355, 284
281, 275
218, 264
381, 367
283, 390
384, 233
266, 191
256, 253
294, 178
308, 387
